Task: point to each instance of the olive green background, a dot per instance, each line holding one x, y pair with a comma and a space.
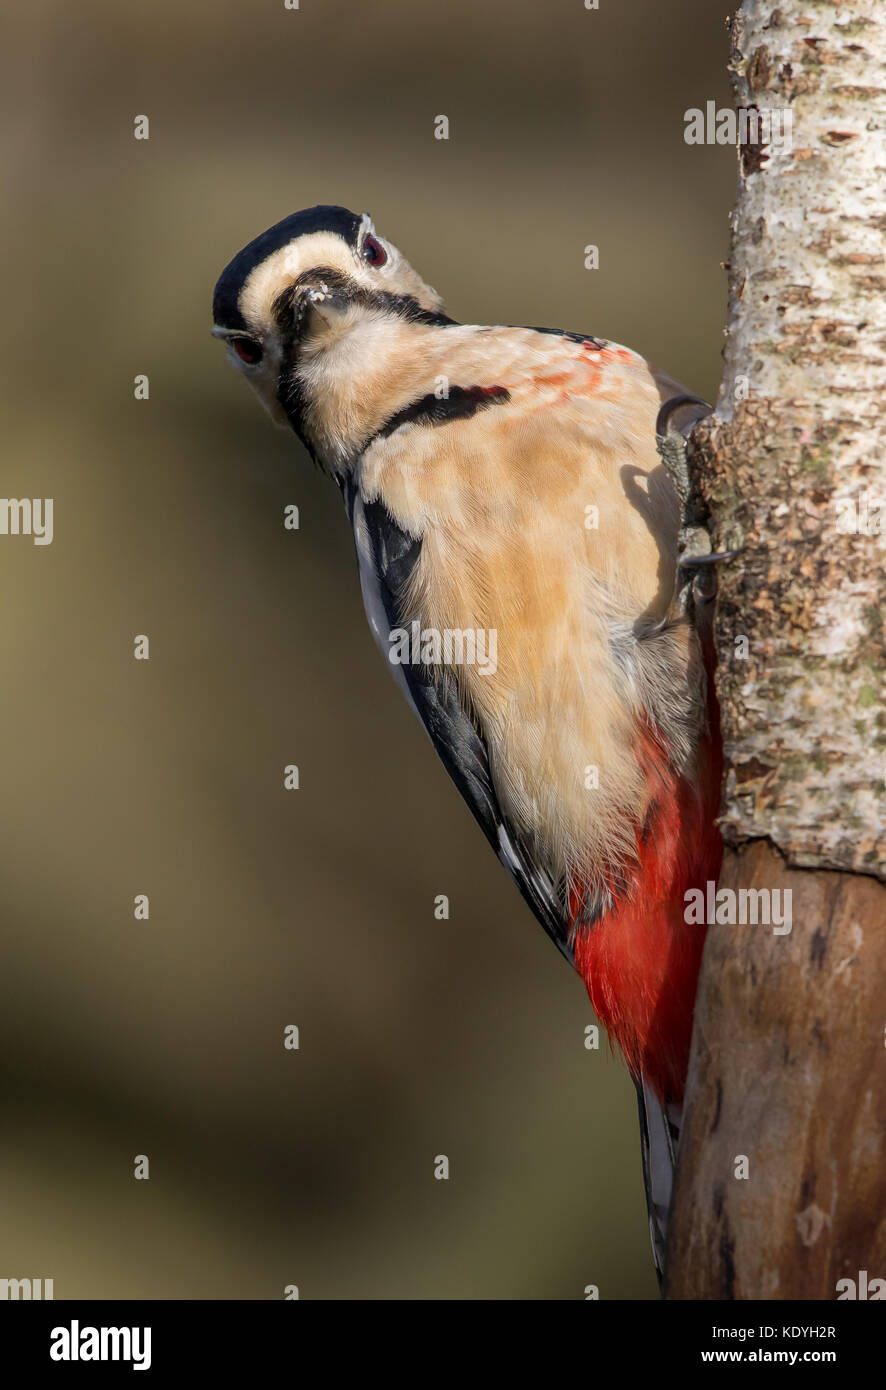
418, 1037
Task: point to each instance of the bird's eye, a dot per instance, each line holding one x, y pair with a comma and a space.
373, 251
247, 350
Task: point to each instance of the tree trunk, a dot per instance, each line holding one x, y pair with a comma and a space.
781, 1185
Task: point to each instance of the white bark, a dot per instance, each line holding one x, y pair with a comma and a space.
787, 1054
806, 345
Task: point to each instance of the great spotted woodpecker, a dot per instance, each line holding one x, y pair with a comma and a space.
506, 482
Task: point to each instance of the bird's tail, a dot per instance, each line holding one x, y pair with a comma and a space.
660, 1137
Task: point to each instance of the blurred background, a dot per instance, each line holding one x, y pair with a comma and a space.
314, 907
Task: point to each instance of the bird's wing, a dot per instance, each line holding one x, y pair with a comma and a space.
386, 557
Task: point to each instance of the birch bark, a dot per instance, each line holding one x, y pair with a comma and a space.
781, 1185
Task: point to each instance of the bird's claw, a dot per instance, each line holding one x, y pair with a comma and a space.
696, 575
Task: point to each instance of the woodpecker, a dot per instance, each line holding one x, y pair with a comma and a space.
506, 483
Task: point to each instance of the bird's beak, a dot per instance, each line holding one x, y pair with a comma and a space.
319, 303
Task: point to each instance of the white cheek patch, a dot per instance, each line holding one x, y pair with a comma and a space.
268, 279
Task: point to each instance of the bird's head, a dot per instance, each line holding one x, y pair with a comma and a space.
318, 280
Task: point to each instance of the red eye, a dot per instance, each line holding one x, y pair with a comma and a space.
373, 251
246, 350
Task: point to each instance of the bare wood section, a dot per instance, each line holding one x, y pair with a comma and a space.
789, 1071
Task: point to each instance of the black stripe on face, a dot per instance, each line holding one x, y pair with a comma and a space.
404, 306
291, 394
461, 403
324, 218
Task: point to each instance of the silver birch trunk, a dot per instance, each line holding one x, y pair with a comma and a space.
781, 1185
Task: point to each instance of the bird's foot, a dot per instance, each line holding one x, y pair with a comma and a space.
696, 577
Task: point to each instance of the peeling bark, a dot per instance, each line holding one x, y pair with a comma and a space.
789, 1064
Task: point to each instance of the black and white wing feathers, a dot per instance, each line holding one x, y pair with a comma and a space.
386, 556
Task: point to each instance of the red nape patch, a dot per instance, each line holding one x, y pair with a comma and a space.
640, 961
